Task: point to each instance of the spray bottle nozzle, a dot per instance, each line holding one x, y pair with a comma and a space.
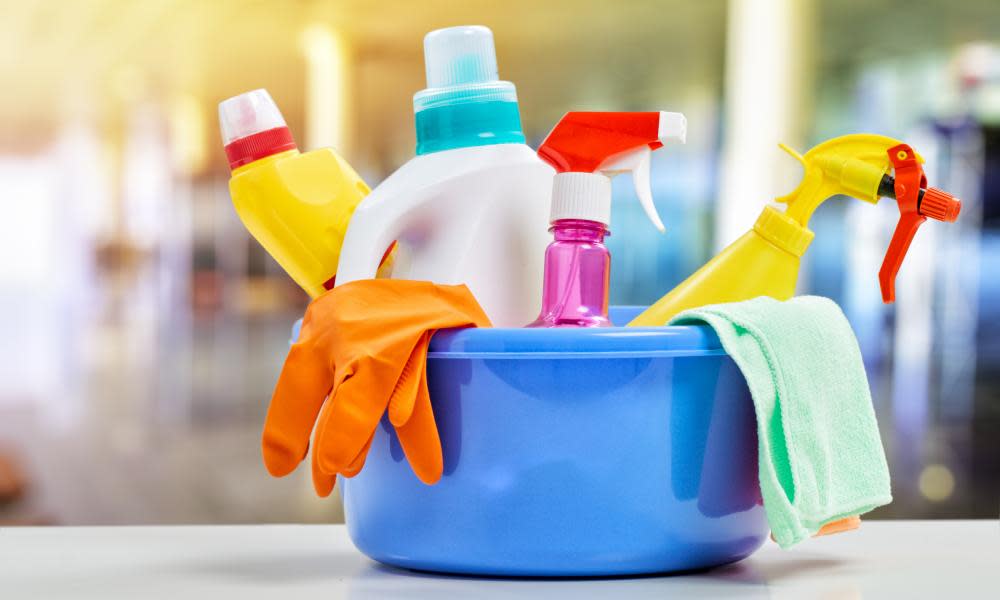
857, 165
606, 144
932, 203
916, 203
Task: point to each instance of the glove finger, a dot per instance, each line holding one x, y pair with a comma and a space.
404, 395
305, 380
419, 438
349, 419
322, 482
358, 463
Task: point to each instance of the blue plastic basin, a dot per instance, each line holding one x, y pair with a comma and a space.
571, 452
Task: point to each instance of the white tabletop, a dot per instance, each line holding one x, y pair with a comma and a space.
889, 559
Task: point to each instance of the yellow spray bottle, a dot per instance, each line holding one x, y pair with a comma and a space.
765, 261
297, 205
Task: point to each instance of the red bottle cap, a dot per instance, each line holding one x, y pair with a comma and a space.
253, 128
244, 151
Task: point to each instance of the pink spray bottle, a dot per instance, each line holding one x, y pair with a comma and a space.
587, 149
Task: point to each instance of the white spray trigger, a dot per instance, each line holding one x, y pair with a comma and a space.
636, 161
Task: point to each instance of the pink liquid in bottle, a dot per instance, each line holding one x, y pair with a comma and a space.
577, 271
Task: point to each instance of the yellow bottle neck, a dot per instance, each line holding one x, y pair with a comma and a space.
264, 161
783, 231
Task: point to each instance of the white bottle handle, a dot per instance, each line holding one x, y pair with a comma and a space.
365, 243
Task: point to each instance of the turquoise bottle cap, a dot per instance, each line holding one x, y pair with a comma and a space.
465, 103
461, 67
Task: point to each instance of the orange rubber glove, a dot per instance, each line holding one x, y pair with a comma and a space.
362, 350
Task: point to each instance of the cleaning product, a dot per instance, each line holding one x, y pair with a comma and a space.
297, 205
364, 346
587, 149
471, 207
820, 456
765, 261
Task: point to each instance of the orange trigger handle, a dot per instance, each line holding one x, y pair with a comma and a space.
916, 203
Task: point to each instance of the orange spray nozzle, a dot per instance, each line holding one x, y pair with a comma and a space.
916, 203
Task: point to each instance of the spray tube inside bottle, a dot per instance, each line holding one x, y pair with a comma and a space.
587, 149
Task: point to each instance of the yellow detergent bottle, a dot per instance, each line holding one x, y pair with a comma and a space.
765, 261
297, 205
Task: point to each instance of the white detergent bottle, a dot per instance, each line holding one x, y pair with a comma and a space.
472, 206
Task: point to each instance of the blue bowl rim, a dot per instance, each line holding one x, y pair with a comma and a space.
574, 343
619, 342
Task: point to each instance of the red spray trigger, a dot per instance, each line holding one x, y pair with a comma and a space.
582, 141
915, 205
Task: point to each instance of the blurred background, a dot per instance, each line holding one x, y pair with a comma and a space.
143, 329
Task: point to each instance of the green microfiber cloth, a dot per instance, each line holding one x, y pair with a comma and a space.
819, 451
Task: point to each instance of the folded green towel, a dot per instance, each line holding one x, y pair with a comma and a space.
819, 451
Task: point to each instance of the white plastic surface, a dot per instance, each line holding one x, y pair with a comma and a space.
247, 114
673, 127
460, 56
581, 196
477, 216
